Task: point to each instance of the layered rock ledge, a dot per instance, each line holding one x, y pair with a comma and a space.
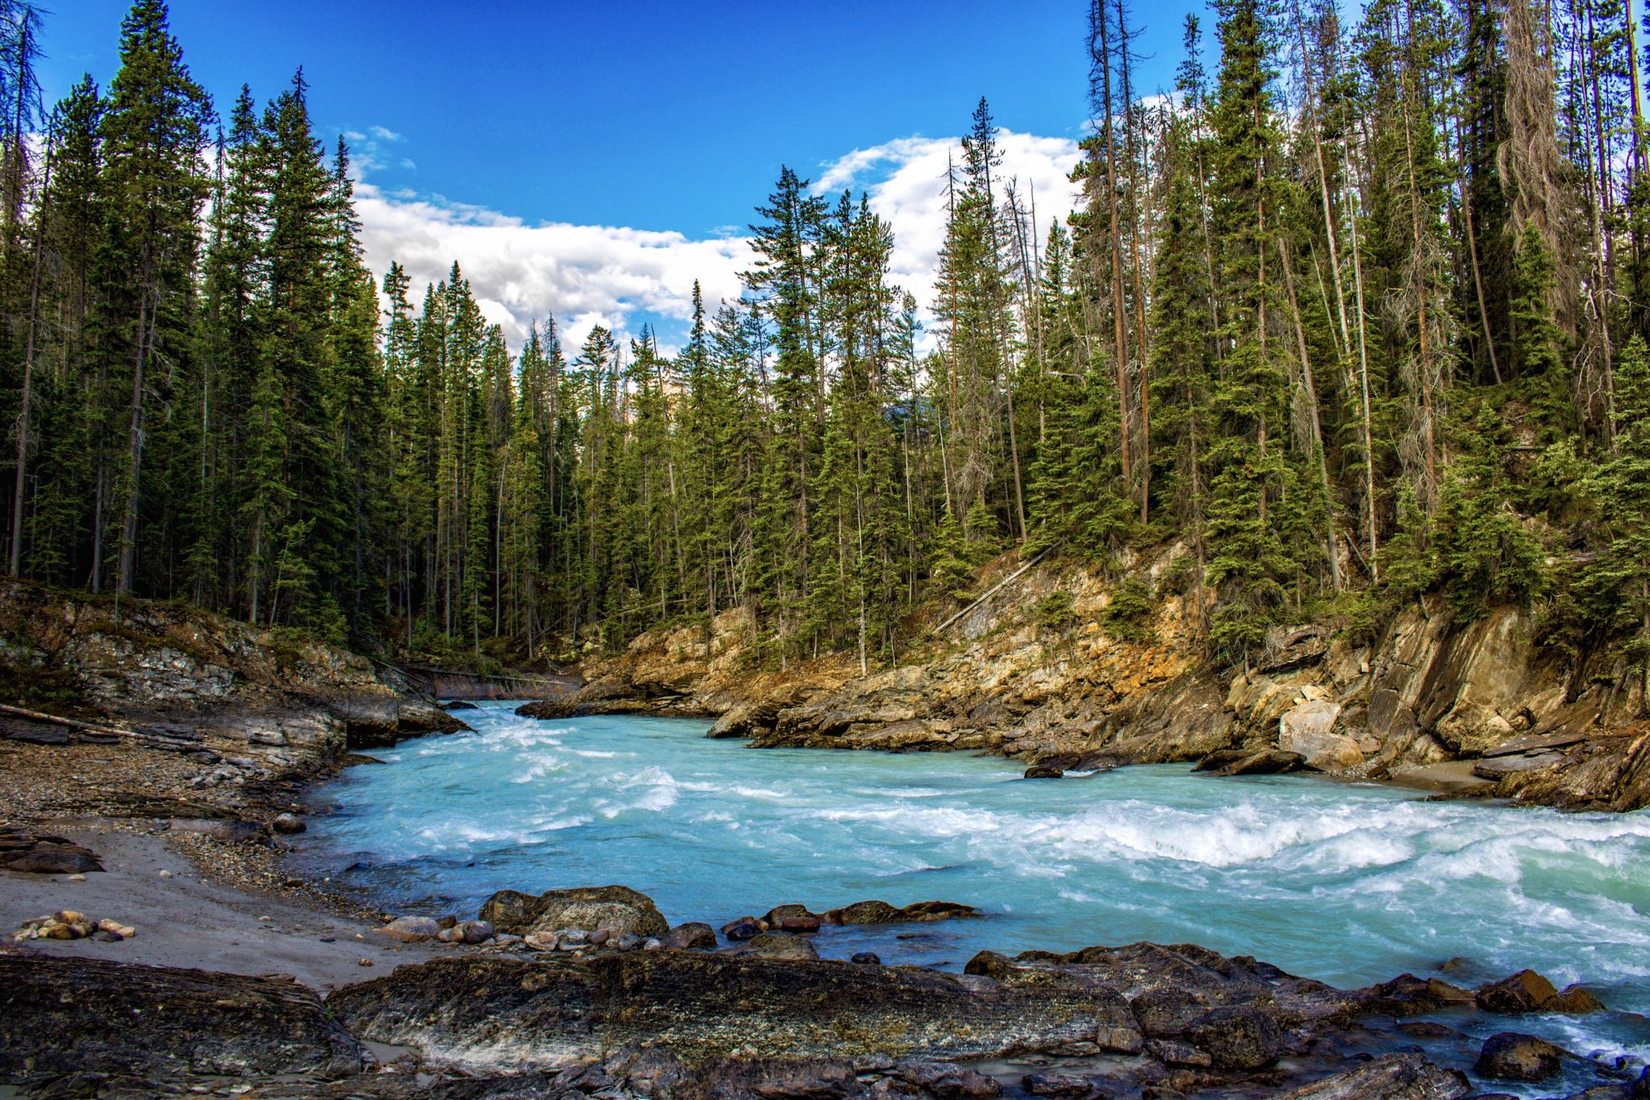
1469, 707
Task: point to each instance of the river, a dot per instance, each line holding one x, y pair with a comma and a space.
1347, 883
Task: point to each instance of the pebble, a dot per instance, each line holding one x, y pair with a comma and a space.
166, 874
77, 878
363, 962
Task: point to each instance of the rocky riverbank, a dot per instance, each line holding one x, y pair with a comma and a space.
571, 1012
1062, 668
165, 949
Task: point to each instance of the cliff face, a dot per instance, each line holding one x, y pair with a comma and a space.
1042, 671
166, 673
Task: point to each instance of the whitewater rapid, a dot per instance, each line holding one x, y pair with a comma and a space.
1348, 883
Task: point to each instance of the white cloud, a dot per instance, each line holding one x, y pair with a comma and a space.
617, 276
583, 274
905, 179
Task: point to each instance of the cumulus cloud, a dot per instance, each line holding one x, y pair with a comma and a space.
906, 178
583, 275
620, 277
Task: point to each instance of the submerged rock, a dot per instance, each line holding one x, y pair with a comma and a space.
1044, 771
880, 912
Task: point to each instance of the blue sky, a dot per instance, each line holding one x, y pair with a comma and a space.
478, 125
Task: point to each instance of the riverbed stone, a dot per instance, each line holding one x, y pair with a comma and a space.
948, 1081
742, 928
288, 824
863, 912
936, 910
412, 929
691, 936
792, 918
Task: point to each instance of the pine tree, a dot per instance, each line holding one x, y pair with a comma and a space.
154, 135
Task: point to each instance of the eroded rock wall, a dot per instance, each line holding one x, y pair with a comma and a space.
1465, 706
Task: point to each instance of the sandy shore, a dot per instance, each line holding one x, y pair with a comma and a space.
187, 919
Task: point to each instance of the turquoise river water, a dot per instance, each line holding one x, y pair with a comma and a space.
1348, 883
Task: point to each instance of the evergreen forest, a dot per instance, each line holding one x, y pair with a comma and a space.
1352, 315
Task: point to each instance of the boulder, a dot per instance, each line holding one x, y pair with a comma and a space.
1407, 995
691, 936
1510, 1056
865, 958
510, 911
1308, 729
1573, 1000
863, 912
288, 824
936, 910
792, 918
1044, 771
1525, 991
880, 912
412, 929
742, 928
618, 909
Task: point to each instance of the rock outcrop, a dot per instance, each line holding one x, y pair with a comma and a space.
705, 1005
668, 1024
221, 704
1464, 706
63, 1016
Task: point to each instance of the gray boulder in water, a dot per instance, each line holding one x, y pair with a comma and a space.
615, 909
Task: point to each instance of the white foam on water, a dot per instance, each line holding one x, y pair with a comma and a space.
1351, 884
767, 794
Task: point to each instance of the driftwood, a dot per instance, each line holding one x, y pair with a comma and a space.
59, 720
